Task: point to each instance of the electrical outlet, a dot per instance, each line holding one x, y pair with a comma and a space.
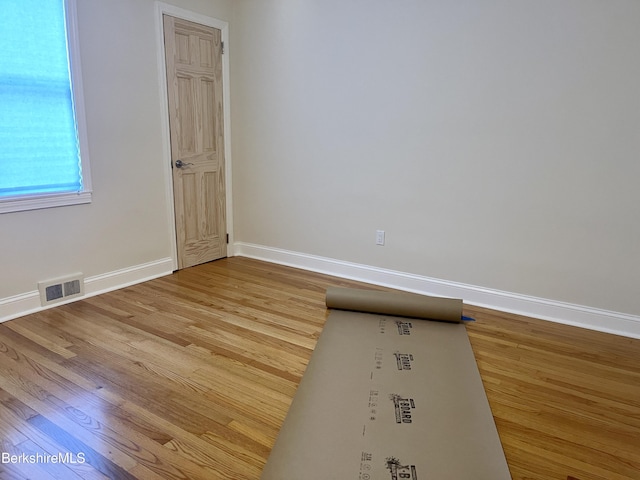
379, 237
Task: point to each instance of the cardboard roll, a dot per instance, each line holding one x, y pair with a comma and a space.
389, 396
398, 304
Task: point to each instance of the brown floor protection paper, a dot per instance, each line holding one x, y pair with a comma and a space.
386, 397
399, 304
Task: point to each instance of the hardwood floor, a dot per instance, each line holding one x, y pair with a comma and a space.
190, 377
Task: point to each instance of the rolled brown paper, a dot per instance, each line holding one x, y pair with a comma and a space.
401, 304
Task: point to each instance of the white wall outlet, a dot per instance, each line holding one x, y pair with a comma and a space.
379, 237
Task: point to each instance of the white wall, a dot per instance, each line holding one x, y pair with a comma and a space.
496, 142
128, 223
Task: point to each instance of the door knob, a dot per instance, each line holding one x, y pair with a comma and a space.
180, 164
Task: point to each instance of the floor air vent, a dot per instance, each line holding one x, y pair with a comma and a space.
60, 289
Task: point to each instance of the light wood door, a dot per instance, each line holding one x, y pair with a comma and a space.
194, 84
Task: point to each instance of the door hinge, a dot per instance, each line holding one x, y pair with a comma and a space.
222, 47
227, 238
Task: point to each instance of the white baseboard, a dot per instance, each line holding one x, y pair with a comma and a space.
552, 310
26, 303
560, 312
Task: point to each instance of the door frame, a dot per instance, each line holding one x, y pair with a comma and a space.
162, 9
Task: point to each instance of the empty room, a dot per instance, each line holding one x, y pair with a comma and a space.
183, 183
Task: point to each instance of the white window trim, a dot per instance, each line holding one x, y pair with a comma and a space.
33, 202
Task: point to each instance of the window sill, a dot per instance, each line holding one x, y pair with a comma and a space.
36, 202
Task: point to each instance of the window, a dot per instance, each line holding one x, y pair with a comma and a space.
43, 155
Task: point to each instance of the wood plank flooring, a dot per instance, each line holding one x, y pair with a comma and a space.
190, 376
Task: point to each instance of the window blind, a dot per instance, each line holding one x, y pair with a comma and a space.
39, 150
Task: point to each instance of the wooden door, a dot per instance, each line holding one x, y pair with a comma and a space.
194, 84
